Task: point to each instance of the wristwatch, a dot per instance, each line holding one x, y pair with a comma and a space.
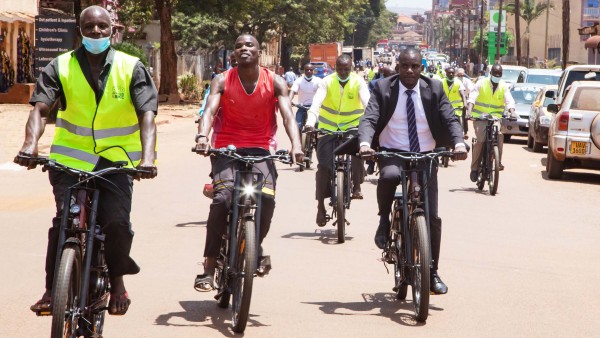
198, 136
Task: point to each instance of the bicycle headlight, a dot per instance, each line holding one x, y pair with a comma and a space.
248, 190
75, 209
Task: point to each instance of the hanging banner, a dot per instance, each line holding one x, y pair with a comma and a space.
54, 35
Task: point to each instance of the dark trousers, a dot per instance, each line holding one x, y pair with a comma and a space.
325, 156
389, 178
223, 172
465, 123
114, 208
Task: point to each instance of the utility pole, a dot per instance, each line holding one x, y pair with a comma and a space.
462, 34
481, 37
499, 34
469, 34
546, 36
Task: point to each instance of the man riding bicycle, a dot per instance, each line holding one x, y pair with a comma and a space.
241, 111
489, 96
306, 86
408, 112
108, 105
455, 91
337, 106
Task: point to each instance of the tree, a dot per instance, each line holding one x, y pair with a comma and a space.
529, 12
566, 21
168, 58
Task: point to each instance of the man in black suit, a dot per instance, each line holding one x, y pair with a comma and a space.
409, 112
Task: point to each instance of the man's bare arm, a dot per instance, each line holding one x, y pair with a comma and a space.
148, 138
34, 129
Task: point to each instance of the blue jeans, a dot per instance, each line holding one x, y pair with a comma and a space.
301, 115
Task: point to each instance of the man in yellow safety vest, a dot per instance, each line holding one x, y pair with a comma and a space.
455, 91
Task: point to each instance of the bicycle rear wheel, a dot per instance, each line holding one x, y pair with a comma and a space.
340, 209
421, 260
494, 171
65, 294
245, 266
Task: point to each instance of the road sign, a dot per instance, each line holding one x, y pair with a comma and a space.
495, 18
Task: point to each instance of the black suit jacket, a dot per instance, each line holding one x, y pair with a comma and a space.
443, 123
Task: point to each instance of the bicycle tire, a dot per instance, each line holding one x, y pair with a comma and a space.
65, 293
397, 239
99, 287
340, 208
245, 267
307, 149
494, 171
220, 277
421, 259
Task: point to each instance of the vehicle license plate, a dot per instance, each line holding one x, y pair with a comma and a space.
579, 148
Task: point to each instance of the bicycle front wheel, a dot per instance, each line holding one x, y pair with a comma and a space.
340, 208
65, 294
245, 266
307, 149
421, 259
494, 171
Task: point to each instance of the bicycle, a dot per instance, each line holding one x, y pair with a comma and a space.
239, 250
445, 161
81, 287
489, 165
341, 184
409, 247
309, 140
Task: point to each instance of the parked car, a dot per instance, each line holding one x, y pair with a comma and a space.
540, 118
322, 69
524, 94
574, 134
540, 76
576, 73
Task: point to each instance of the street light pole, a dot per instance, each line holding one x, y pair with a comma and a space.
481, 37
499, 34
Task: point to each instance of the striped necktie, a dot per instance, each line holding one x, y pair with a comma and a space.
413, 137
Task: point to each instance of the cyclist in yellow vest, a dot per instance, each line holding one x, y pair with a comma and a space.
337, 106
455, 90
108, 103
432, 73
489, 96
371, 73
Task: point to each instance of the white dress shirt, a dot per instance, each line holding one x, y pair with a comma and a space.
395, 134
313, 112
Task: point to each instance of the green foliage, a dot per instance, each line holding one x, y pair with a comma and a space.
135, 14
189, 87
133, 50
197, 30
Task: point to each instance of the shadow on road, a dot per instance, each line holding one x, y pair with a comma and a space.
190, 224
328, 236
203, 313
574, 177
483, 192
378, 304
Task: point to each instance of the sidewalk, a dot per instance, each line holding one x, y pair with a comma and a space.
13, 118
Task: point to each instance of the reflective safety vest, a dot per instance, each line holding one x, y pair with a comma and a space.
86, 130
341, 112
371, 75
453, 94
489, 102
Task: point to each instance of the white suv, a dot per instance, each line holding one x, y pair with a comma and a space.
574, 135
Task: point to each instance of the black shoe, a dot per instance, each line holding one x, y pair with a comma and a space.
473, 176
382, 234
371, 168
264, 266
437, 286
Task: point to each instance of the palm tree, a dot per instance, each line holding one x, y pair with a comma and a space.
528, 12
565, 32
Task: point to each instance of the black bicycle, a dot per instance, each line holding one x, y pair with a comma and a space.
409, 246
81, 288
309, 140
239, 251
489, 165
341, 184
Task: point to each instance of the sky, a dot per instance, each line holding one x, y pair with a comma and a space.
409, 3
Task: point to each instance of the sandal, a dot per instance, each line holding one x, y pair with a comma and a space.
321, 218
357, 195
118, 304
204, 283
264, 266
42, 305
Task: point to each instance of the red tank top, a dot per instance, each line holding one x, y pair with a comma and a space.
246, 120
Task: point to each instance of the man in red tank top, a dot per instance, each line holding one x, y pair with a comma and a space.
241, 110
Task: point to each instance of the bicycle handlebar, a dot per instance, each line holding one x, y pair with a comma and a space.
491, 118
411, 156
281, 155
300, 106
51, 164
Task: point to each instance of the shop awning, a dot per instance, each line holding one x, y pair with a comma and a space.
593, 42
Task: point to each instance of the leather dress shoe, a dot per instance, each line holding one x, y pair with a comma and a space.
437, 286
382, 234
473, 176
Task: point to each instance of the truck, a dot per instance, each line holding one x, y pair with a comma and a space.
362, 53
325, 52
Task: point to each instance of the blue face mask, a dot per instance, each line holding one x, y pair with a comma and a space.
95, 46
342, 81
495, 79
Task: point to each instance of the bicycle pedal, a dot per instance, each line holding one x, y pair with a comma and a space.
43, 313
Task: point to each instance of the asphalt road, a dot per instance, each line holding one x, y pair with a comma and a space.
520, 264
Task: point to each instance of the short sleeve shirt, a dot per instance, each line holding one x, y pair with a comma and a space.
306, 89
